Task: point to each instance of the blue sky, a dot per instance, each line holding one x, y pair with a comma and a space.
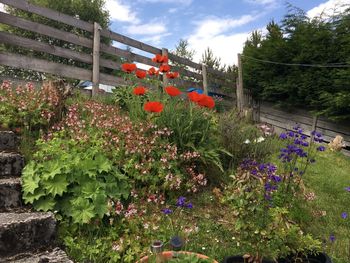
222, 25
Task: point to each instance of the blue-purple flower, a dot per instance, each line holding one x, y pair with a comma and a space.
321, 148
344, 215
167, 211
347, 188
332, 238
181, 201
283, 136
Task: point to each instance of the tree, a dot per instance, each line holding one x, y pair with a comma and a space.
274, 64
210, 60
87, 10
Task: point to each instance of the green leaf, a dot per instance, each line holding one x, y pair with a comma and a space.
31, 197
57, 185
103, 163
91, 189
100, 203
82, 210
30, 179
53, 169
45, 204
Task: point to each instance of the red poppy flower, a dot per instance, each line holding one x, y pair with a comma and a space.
153, 106
172, 75
128, 67
206, 101
172, 91
160, 59
152, 71
194, 96
164, 68
140, 90
141, 74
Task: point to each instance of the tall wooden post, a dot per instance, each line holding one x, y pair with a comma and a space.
205, 81
96, 59
165, 79
239, 91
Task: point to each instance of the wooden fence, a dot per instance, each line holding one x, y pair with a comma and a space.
283, 119
193, 75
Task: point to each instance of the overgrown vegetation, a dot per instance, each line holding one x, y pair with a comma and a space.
299, 40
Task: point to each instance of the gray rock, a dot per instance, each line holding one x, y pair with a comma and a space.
10, 193
8, 140
25, 231
11, 164
55, 255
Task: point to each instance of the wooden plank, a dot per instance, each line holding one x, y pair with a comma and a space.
288, 124
295, 110
49, 13
187, 73
112, 80
44, 30
11, 39
286, 115
165, 80
96, 59
332, 126
239, 91
128, 55
130, 42
184, 61
204, 76
24, 62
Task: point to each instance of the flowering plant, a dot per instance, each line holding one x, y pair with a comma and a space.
263, 229
177, 226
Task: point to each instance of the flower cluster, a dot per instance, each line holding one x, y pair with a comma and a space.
27, 106
201, 99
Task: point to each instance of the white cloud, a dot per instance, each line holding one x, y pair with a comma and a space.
121, 12
151, 28
217, 34
329, 8
155, 40
223, 46
213, 26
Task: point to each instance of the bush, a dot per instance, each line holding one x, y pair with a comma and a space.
242, 140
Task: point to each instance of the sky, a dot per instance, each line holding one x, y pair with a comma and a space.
222, 25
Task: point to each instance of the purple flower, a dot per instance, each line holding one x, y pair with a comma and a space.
332, 238
347, 188
167, 211
344, 215
290, 134
283, 136
181, 201
321, 148
305, 144
189, 205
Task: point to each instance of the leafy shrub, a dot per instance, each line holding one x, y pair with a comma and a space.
73, 178
242, 140
265, 230
27, 107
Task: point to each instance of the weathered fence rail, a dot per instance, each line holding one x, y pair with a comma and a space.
89, 50
282, 119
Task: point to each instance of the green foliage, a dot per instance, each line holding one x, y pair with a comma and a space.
193, 128
188, 258
75, 180
264, 230
242, 140
301, 40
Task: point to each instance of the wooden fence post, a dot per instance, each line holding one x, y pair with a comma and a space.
165, 79
239, 91
96, 59
205, 81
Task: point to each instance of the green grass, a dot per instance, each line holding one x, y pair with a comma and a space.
328, 178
